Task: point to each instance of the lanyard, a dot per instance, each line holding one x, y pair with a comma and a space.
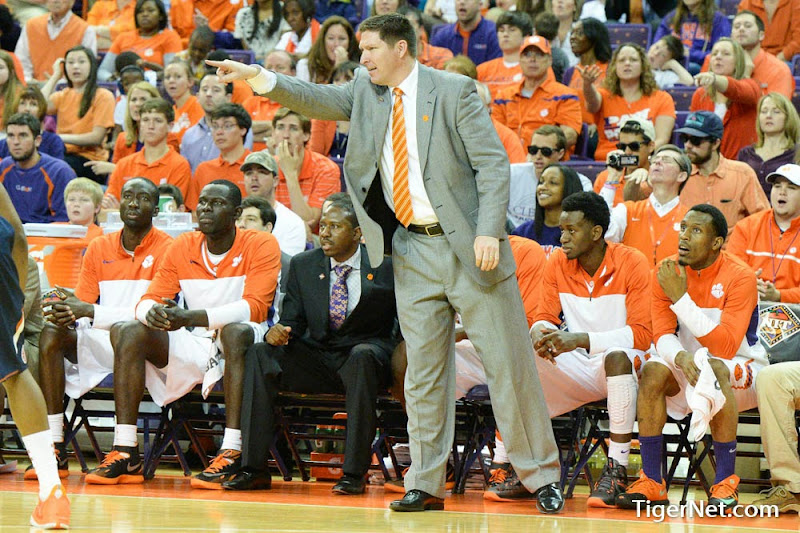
775, 269
657, 243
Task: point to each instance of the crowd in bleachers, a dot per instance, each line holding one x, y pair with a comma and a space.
655, 106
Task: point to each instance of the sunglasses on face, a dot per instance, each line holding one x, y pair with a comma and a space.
547, 152
695, 140
634, 146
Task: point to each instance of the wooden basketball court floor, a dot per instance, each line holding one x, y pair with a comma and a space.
168, 504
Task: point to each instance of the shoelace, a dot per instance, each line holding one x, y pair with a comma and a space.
780, 490
498, 476
220, 462
112, 457
642, 483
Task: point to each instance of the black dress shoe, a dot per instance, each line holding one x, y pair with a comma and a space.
249, 480
417, 500
349, 485
549, 499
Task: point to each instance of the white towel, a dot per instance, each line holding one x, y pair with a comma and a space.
705, 399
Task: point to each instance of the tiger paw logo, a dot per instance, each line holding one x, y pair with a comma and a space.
237, 260
148, 262
717, 290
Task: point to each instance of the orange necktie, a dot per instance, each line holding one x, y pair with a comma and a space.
400, 192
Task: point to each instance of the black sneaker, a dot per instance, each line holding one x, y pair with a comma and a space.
510, 489
122, 465
62, 459
222, 469
611, 484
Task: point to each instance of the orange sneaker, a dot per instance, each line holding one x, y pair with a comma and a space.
725, 494
222, 468
121, 465
52, 513
644, 492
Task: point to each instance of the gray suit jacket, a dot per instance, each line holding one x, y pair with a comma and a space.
464, 166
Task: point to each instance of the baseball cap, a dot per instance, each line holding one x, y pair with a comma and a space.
537, 42
789, 171
702, 124
262, 159
643, 125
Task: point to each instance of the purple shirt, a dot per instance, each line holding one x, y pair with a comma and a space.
482, 45
764, 168
37, 193
693, 35
51, 145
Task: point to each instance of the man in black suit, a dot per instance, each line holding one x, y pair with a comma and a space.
335, 336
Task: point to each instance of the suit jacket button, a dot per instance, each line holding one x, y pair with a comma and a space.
380, 98
363, 189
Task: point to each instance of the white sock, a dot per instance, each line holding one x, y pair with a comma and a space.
56, 423
125, 435
232, 440
619, 451
500, 455
43, 457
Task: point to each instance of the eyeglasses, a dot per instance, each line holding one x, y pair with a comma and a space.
547, 152
694, 139
663, 159
634, 146
228, 126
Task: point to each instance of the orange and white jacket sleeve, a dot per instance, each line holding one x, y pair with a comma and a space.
638, 333
549, 308
722, 339
88, 289
165, 284
665, 323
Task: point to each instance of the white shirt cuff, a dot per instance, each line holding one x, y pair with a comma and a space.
264, 82
667, 347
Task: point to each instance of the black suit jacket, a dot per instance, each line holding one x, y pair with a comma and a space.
306, 304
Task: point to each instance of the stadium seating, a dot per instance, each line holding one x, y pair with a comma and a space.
682, 96
629, 33
243, 56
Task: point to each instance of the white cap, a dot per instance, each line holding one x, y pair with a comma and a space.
789, 171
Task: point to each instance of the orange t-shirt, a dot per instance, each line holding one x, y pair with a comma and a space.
215, 169
263, 109
241, 92
172, 168
497, 75
319, 178
187, 116
551, 103
323, 132
576, 82
516, 153
151, 49
221, 15
433, 56
121, 149
106, 13
615, 110
101, 113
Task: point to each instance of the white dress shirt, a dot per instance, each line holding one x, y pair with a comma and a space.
353, 279
289, 229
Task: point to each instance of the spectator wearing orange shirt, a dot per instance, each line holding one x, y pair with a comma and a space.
85, 112
502, 72
730, 186
629, 182
629, 91
590, 42
728, 86
109, 18
229, 125
329, 137
219, 15
157, 161
130, 141
306, 178
151, 40
261, 108
539, 99
427, 54
782, 26
241, 91
201, 43
178, 83
767, 241
83, 197
509, 139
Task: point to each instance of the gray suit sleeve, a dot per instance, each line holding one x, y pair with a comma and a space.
489, 160
324, 102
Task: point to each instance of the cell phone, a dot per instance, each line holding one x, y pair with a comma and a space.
53, 295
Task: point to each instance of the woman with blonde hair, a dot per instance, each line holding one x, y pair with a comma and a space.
335, 45
777, 130
628, 91
727, 90
698, 24
10, 87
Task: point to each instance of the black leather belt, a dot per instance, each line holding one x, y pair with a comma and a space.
431, 230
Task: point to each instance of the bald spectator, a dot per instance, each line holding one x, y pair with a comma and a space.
198, 145
471, 34
539, 99
48, 37
261, 108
